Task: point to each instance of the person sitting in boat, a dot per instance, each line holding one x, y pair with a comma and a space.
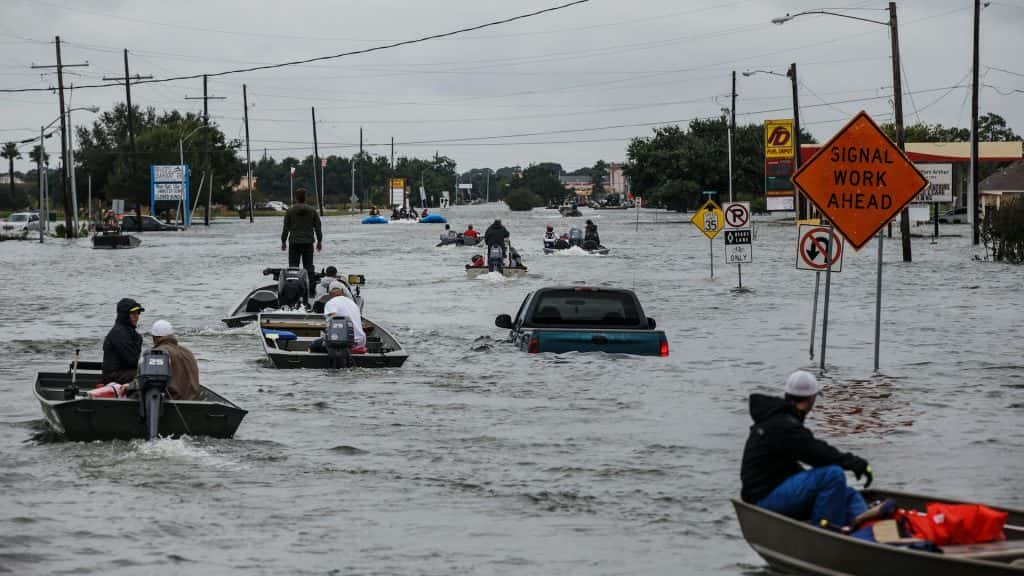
110, 222
550, 237
123, 345
477, 261
395, 214
184, 383
590, 235
426, 212
324, 285
413, 215
514, 259
341, 305
470, 232
374, 211
778, 448
449, 236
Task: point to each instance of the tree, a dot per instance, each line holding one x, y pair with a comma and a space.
11, 153
105, 154
34, 156
674, 166
542, 180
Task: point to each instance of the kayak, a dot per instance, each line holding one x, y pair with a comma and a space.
433, 219
265, 298
374, 220
114, 240
508, 272
286, 337
88, 419
794, 546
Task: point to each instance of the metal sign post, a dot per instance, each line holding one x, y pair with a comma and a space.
859, 180
818, 248
824, 312
709, 220
738, 249
878, 301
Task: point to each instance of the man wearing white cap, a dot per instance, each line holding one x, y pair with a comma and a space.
778, 448
184, 384
341, 305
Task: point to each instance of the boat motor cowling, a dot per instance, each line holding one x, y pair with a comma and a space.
575, 237
292, 287
154, 377
339, 338
495, 258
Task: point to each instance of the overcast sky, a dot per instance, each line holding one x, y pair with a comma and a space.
557, 80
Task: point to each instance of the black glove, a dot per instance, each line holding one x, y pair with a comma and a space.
861, 468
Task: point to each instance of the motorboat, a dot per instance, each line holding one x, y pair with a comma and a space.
266, 298
286, 338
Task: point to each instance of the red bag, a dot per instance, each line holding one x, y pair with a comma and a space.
945, 524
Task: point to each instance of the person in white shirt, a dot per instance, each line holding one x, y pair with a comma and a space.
340, 305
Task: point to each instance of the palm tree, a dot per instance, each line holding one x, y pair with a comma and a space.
11, 152
34, 156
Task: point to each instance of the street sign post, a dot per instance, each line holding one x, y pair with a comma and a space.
710, 220
738, 237
859, 180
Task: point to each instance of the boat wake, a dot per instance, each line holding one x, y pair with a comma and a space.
493, 278
574, 251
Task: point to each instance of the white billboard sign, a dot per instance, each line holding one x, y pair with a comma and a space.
168, 191
940, 183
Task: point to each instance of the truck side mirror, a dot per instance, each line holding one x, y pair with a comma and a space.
503, 321
651, 324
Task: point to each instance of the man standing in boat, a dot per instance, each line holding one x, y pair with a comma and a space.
779, 446
123, 344
301, 228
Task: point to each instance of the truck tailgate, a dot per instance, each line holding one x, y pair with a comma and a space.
644, 342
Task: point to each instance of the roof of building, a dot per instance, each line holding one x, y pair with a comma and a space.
924, 152
1008, 179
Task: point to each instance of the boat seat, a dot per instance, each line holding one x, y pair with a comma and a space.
988, 550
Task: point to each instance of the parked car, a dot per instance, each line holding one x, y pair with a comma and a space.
149, 224
954, 216
584, 319
20, 223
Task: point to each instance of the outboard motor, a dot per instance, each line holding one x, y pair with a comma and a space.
495, 258
575, 237
154, 376
339, 338
293, 288
260, 301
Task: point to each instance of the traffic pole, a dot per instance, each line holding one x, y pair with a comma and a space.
711, 251
878, 300
814, 311
828, 287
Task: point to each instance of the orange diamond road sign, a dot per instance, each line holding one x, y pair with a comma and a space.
860, 180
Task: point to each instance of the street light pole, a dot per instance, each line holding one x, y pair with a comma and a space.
802, 211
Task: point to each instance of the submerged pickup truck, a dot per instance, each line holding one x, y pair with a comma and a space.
584, 319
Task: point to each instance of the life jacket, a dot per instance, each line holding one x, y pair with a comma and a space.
946, 524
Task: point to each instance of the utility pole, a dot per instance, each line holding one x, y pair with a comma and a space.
974, 195
248, 160
359, 173
131, 131
206, 144
316, 161
897, 87
69, 231
802, 211
732, 129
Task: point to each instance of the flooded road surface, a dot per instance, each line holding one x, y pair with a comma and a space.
476, 458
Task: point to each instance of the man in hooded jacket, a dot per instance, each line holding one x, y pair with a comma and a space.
496, 235
123, 344
779, 445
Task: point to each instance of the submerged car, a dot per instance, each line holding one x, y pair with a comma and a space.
584, 319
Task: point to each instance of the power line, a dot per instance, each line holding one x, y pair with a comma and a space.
339, 55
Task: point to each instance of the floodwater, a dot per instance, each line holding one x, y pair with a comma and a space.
475, 458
